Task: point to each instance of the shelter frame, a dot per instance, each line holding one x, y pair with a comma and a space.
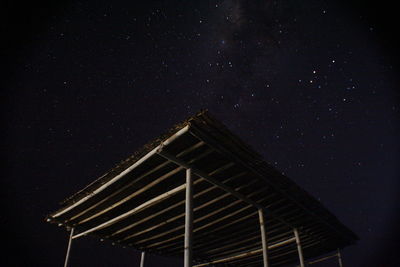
283, 220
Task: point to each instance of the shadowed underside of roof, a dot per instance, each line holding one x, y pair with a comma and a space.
141, 202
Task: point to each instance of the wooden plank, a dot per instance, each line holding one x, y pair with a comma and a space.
122, 174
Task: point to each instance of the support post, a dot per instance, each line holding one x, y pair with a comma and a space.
299, 249
263, 237
69, 247
188, 219
142, 259
339, 258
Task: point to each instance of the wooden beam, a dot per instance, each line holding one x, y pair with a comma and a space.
142, 258
299, 248
182, 202
246, 254
133, 211
122, 174
188, 245
69, 247
263, 237
128, 185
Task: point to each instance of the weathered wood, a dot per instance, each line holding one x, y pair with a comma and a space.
69, 248
246, 254
263, 237
339, 258
188, 246
141, 203
133, 211
125, 187
299, 248
122, 174
142, 258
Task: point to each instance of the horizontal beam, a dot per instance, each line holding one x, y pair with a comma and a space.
200, 228
202, 246
323, 259
168, 241
172, 219
250, 247
237, 247
123, 173
204, 175
135, 210
180, 203
144, 188
223, 186
169, 220
275, 254
195, 131
133, 195
291, 255
236, 237
149, 202
161, 151
196, 229
143, 240
247, 254
84, 213
203, 242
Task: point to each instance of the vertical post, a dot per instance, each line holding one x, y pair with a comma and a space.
299, 249
263, 237
339, 258
188, 219
142, 259
69, 247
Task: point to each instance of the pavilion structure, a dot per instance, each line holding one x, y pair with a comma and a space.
200, 193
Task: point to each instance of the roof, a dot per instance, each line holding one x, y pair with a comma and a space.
141, 202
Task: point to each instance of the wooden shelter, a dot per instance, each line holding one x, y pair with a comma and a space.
202, 193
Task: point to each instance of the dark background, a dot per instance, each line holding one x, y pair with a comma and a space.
310, 85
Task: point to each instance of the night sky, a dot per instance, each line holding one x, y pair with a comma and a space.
310, 85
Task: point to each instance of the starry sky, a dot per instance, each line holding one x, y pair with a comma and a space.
312, 86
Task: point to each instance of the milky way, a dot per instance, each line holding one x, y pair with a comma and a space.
309, 85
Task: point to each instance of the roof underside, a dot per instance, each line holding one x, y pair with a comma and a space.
141, 202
